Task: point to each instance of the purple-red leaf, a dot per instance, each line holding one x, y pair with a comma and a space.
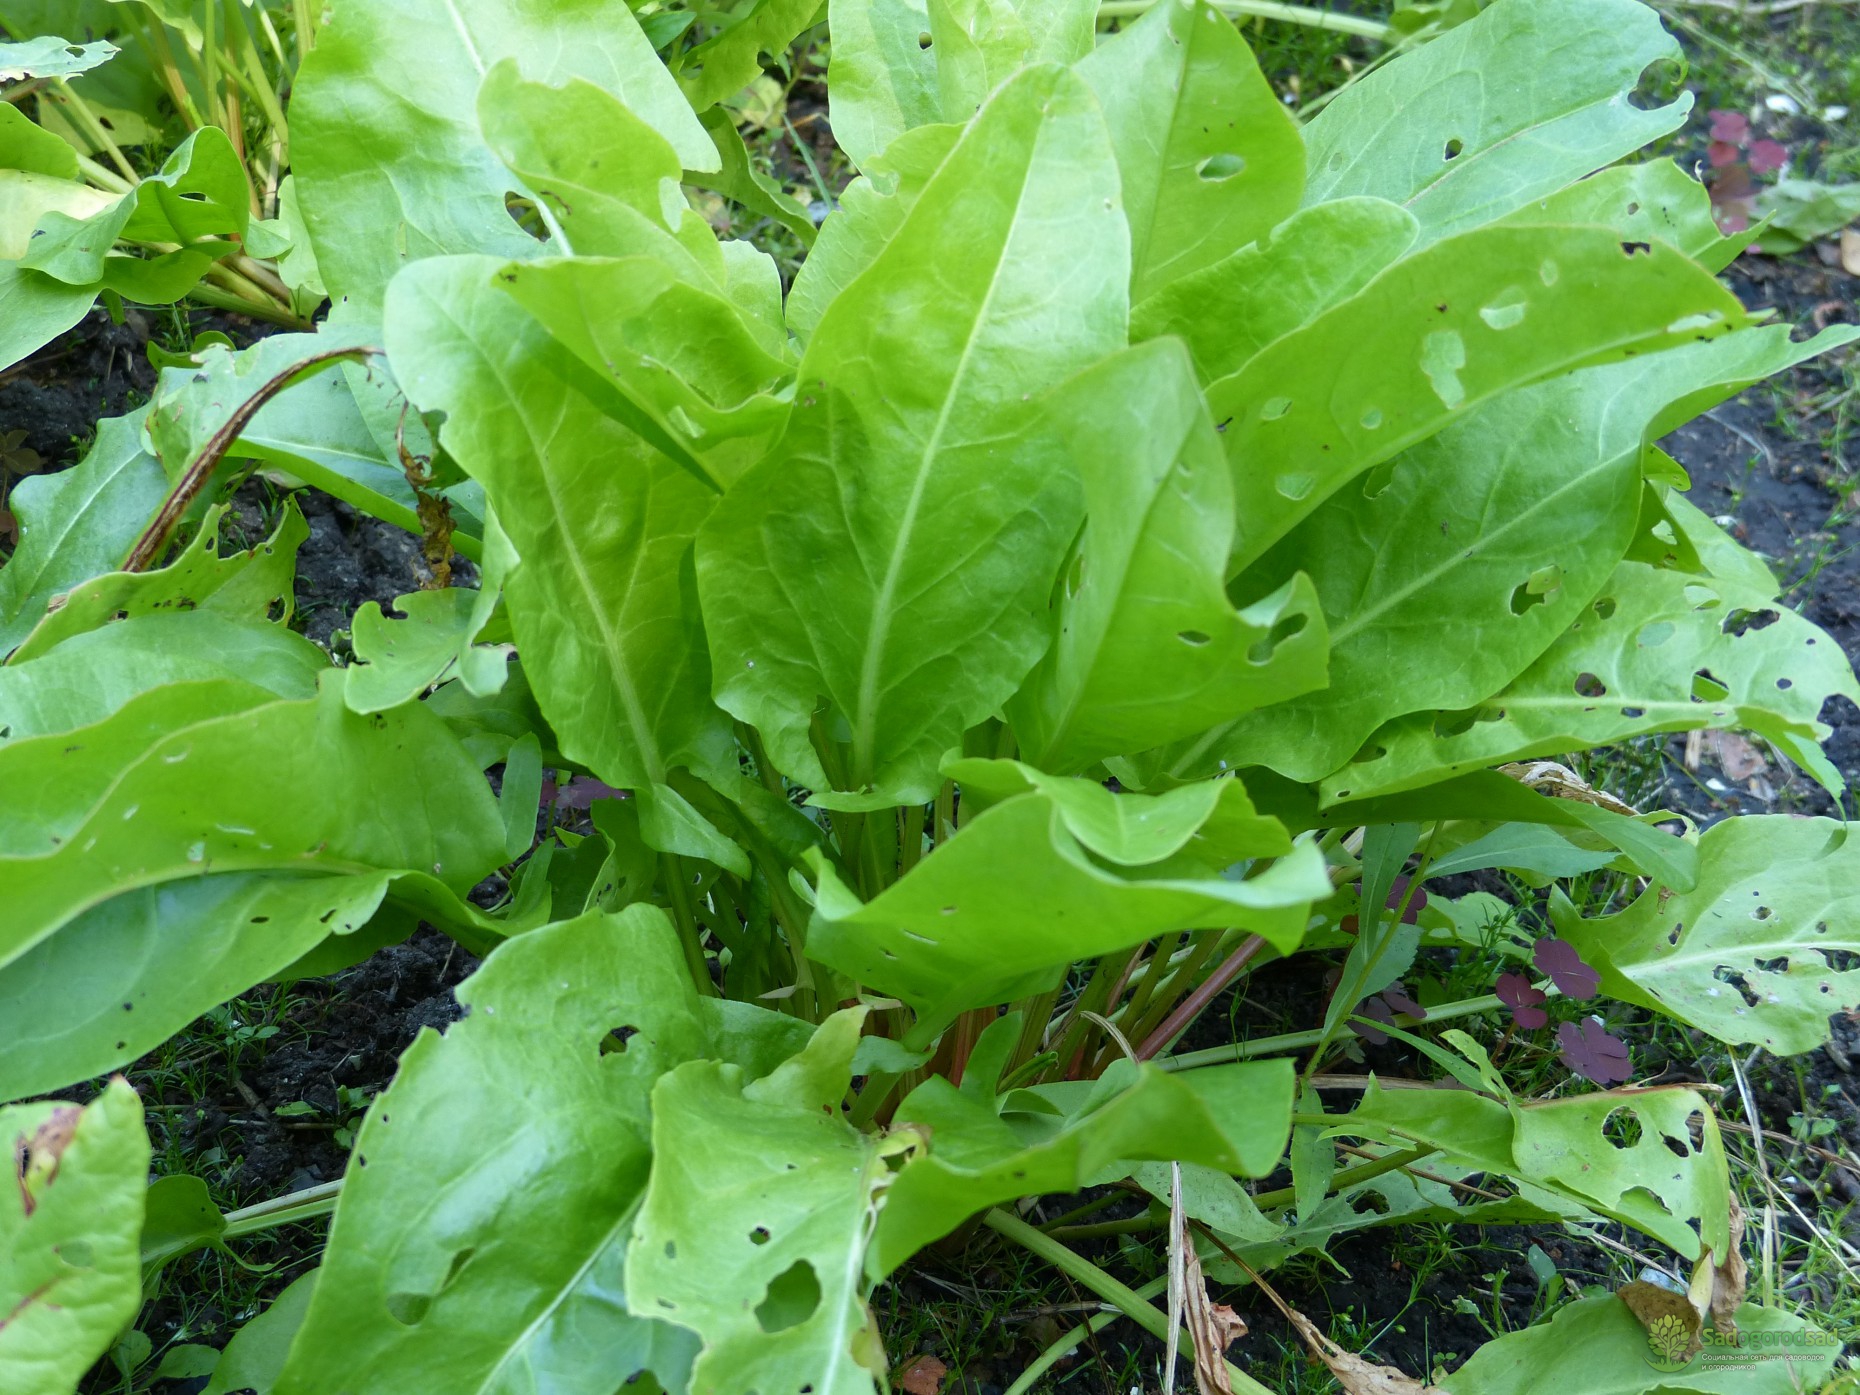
1721, 153
578, 793
1376, 1010
1559, 959
1731, 127
1768, 156
1400, 889
1590, 1051
1397, 998
1524, 999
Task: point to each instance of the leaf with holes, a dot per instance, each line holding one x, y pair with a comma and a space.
78, 523
1146, 646
1209, 158
425, 183
458, 1262
70, 1222
1656, 651
1511, 106
754, 1226
1760, 952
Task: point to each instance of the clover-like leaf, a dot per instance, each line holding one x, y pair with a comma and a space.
1524, 999
1564, 965
1588, 1048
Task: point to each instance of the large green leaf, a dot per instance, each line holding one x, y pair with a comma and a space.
1596, 1345
149, 797
1498, 531
26, 195
1513, 105
982, 1150
482, 1236
120, 979
92, 674
1230, 310
77, 523
389, 161
911, 518
1440, 331
1001, 909
1656, 651
1209, 157
1758, 953
1147, 647
601, 524
70, 1224
754, 1227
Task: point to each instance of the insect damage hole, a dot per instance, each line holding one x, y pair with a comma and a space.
614, 1041
1622, 1129
1194, 638
792, 1297
1216, 168
1455, 147
759, 1236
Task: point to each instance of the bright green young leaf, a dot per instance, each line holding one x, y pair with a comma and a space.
1597, 1346
1016, 895
1390, 367
1209, 157
731, 59
528, 1124
1534, 849
255, 1356
70, 1280
664, 353
1213, 820
1230, 310
600, 522
1656, 651
251, 584
1757, 953
78, 523
1147, 648
1499, 530
609, 180
869, 215
742, 182
397, 660
882, 78
178, 1219
913, 614
92, 674
173, 812
385, 135
979, 44
1513, 105
754, 1227
983, 1152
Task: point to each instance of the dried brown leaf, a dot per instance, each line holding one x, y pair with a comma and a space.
1560, 782
922, 1375
1728, 1279
1356, 1375
1850, 251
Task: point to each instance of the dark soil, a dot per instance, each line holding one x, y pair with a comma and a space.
57, 396
1780, 475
